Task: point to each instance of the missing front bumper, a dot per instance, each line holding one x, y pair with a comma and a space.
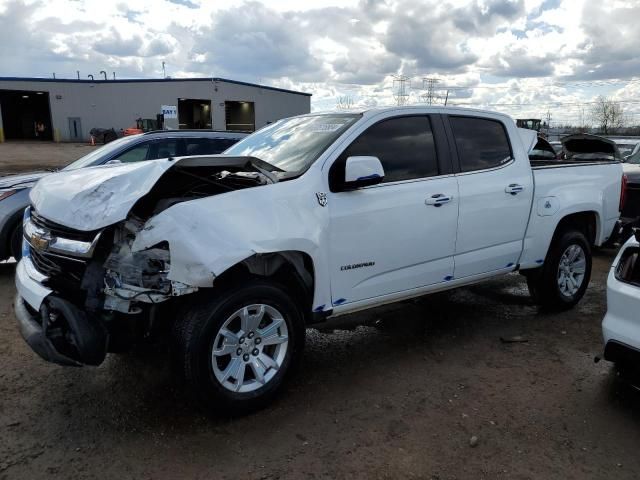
84, 341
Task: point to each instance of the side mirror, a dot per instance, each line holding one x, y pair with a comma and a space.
362, 171
113, 162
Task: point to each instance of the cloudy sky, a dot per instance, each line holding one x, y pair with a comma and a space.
525, 57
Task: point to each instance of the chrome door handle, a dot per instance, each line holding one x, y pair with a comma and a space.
514, 189
438, 199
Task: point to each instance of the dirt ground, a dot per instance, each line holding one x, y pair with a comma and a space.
394, 393
18, 157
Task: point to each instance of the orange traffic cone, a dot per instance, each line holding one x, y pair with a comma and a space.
93, 141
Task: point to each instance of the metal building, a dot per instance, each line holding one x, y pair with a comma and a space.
66, 110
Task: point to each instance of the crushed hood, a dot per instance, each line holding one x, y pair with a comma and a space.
92, 198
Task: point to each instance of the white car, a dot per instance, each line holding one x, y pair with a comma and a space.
621, 324
309, 218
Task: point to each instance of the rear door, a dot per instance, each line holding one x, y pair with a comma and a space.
496, 191
391, 237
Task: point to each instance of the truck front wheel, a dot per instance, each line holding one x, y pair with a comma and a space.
564, 277
237, 349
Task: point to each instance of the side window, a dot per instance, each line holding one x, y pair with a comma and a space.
207, 146
404, 145
164, 149
482, 143
135, 154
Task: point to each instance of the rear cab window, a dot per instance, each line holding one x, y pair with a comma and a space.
482, 143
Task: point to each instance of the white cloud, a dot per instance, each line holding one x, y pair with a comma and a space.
502, 52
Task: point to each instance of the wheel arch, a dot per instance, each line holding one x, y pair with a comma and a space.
293, 269
7, 233
587, 222
536, 249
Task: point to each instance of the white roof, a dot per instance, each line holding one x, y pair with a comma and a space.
416, 108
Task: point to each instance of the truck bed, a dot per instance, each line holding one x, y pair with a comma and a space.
537, 164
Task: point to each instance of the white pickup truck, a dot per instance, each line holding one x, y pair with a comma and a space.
232, 256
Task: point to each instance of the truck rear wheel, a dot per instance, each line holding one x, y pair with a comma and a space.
236, 350
564, 277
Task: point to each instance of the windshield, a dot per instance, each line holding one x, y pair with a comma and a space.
293, 144
96, 155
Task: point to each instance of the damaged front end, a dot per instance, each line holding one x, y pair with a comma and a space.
83, 293
135, 278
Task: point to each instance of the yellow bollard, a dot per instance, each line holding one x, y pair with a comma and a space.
1, 135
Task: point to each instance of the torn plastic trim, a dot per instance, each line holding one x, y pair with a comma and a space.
125, 298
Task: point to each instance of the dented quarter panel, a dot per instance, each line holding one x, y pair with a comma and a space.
209, 235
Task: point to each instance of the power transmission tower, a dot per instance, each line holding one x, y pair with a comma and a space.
429, 85
400, 90
548, 122
345, 102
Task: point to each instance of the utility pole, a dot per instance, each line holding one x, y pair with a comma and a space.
164, 72
400, 89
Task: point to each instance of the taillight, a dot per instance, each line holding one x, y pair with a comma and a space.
623, 192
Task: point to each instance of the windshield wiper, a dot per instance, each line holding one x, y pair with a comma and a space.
270, 176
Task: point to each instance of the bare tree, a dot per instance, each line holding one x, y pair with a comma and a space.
607, 114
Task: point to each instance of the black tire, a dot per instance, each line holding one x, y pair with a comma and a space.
16, 242
543, 284
197, 328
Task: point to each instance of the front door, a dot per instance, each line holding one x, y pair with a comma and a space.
392, 237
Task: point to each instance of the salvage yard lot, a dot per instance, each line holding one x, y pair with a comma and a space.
393, 393
16, 157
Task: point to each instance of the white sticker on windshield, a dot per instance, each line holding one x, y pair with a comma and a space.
327, 127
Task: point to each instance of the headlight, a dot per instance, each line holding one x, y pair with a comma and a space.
6, 193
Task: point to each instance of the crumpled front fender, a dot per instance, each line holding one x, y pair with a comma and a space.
209, 235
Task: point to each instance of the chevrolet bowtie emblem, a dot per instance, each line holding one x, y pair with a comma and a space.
39, 242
